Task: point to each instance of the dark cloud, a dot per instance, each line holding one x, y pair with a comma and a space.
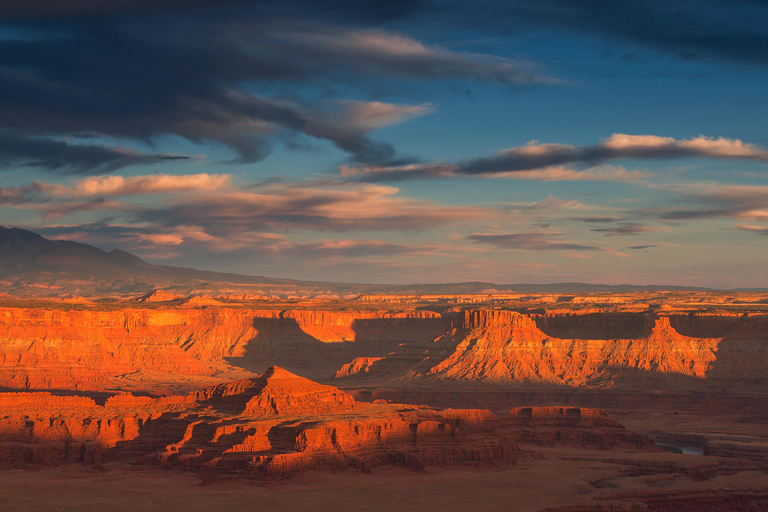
550, 156
615, 147
625, 228
528, 242
595, 219
694, 214
210, 75
374, 10
69, 158
641, 247
726, 30
21, 9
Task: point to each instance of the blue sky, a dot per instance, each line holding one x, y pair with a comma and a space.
395, 142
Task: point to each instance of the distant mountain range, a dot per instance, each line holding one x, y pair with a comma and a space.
34, 266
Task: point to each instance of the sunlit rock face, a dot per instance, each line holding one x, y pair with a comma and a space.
178, 346
60, 346
280, 422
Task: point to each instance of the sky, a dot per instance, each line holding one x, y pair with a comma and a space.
405, 141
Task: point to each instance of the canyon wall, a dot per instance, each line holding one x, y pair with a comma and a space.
647, 352
42, 348
84, 348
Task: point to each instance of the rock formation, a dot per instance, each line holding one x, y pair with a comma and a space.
504, 346
86, 347
91, 346
280, 422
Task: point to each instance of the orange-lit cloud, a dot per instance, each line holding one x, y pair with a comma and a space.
551, 162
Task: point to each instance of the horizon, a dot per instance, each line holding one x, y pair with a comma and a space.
650, 287
400, 142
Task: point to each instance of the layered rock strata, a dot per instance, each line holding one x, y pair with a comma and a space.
279, 423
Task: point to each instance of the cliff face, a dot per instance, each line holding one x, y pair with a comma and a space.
83, 349
505, 346
88, 349
279, 423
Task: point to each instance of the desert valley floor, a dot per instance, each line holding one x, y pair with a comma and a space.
530, 402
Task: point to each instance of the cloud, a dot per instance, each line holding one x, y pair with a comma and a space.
547, 162
763, 230
275, 207
379, 53
597, 219
157, 240
152, 184
69, 158
211, 79
560, 173
541, 156
370, 115
55, 8
627, 228
532, 241
343, 9
54, 200
712, 200
641, 247
729, 31
214, 210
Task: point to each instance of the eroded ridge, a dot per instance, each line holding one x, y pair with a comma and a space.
280, 422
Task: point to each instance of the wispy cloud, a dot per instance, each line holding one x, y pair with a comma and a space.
215, 210
763, 230
70, 158
596, 219
629, 228
730, 31
531, 241
370, 115
549, 162
99, 192
387, 54
710, 200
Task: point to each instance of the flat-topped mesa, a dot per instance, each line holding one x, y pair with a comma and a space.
43, 401
504, 346
487, 318
285, 394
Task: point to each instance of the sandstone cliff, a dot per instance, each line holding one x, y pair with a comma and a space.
85, 348
280, 422
504, 347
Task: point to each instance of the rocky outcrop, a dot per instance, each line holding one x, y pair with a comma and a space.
285, 394
95, 347
159, 296
358, 365
85, 347
280, 422
504, 347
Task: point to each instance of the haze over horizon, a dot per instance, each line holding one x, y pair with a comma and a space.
395, 142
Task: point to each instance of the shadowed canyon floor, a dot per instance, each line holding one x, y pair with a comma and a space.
521, 401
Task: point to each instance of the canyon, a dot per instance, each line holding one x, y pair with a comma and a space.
242, 389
